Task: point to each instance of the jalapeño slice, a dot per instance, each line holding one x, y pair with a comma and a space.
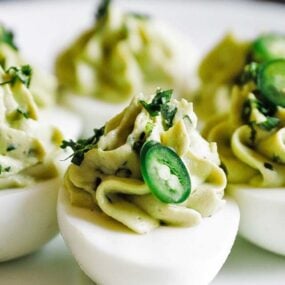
164, 173
271, 81
268, 47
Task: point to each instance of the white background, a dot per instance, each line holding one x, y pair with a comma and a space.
43, 28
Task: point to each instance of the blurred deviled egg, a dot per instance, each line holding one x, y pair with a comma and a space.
250, 141
29, 173
142, 201
43, 87
122, 54
222, 67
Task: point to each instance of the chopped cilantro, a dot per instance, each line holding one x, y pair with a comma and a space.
82, 145
251, 104
7, 36
161, 98
23, 113
160, 104
103, 9
148, 128
269, 124
168, 113
4, 169
268, 165
139, 16
23, 74
249, 73
10, 147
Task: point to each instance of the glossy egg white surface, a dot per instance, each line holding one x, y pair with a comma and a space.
28, 215
27, 218
111, 254
262, 216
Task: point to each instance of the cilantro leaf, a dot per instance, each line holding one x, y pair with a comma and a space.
269, 124
160, 104
249, 73
82, 146
23, 74
168, 114
102, 9
139, 16
25, 114
4, 169
7, 36
161, 98
11, 147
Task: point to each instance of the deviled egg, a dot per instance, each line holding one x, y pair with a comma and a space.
29, 171
250, 141
142, 201
122, 54
43, 87
222, 67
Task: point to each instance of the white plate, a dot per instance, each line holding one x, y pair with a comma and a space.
43, 28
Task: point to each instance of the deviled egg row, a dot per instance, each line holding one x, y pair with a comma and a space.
222, 67
122, 54
250, 141
29, 172
143, 198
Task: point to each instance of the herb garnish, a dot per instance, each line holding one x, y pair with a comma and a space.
23, 113
23, 74
249, 73
7, 36
168, 113
269, 124
10, 147
139, 16
4, 169
102, 9
268, 165
250, 104
82, 146
160, 104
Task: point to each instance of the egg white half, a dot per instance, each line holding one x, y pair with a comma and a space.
111, 254
262, 216
27, 218
28, 215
